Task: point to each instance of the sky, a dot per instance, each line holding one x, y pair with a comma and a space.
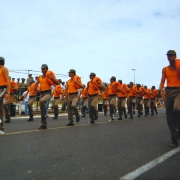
108, 37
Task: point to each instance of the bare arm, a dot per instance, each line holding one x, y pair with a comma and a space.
5, 73
163, 78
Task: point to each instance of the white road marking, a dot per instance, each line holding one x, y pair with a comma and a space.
150, 165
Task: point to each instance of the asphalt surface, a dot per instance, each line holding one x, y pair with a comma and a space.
105, 150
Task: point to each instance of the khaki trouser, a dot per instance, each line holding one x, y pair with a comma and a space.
2, 95
112, 104
173, 112
55, 106
30, 103
139, 104
105, 101
153, 105
131, 104
121, 106
92, 106
72, 106
146, 105
44, 97
84, 105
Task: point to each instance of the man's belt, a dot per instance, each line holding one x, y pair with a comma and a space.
91, 95
173, 88
2, 87
73, 93
111, 95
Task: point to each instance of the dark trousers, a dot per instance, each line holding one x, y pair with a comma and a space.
121, 106
92, 107
131, 104
112, 105
44, 98
153, 106
139, 105
105, 101
173, 112
2, 95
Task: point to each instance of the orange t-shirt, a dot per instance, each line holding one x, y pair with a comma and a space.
13, 85
84, 93
71, 86
3, 81
57, 91
147, 93
172, 76
31, 90
132, 91
110, 89
44, 85
154, 93
140, 92
123, 92
92, 90
104, 95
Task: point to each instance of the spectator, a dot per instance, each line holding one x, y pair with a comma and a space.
26, 102
28, 79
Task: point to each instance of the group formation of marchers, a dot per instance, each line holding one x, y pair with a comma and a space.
131, 96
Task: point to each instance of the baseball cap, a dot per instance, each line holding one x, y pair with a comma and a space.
44, 66
2, 61
1, 58
171, 52
92, 74
72, 71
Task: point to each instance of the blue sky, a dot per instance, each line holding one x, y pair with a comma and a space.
106, 37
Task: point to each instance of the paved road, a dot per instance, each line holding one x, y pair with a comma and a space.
106, 150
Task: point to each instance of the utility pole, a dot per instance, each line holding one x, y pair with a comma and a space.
134, 74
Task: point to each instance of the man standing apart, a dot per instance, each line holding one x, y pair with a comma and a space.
172, 75
4, 90
71, 92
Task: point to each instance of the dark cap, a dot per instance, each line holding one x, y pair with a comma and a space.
44, 66
92, 74
22, 79
72, 71
2, 59
171, 52
131, 83
113, 78
120, 81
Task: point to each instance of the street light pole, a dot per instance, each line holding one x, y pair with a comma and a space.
134, 75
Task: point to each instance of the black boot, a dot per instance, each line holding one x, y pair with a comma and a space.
83, 112
76, 114
31, 118
8, 119
55, 112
